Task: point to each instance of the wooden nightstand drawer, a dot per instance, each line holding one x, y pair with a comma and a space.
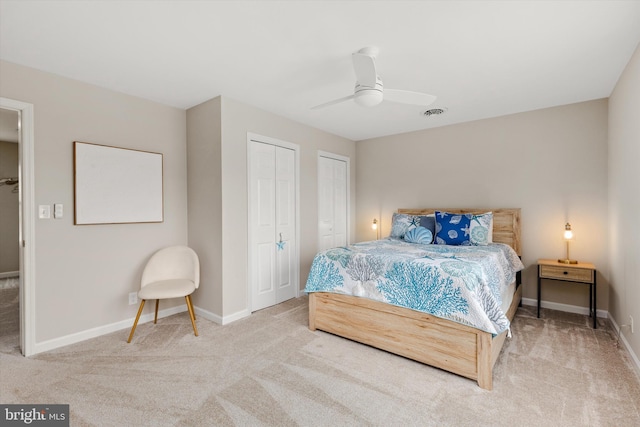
566, 272
582, 272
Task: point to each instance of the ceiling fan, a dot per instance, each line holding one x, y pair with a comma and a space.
369, 90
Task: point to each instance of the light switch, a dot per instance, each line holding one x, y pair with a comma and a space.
57, 210
44, 212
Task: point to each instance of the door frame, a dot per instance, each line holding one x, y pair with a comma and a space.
348, 161
254, 137
26, 201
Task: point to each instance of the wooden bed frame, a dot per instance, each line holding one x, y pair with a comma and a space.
441, 343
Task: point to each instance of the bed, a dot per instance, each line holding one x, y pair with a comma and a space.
452, 345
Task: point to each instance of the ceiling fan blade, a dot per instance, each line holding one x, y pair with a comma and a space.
408, 97
335, 101
365, 68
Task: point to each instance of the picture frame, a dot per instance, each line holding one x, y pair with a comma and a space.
114, 185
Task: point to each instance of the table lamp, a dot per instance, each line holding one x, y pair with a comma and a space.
374, 226
568, 236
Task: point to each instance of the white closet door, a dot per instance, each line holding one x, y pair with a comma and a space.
325, 203
285, 224
273, 227
263, 225
339, 203
332, 202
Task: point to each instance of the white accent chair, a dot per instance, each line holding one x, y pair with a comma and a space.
171, 272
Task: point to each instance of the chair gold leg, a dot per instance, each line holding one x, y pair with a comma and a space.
136, 322
192, 314
155, 319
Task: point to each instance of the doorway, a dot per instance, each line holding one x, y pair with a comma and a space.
9, 231
26, 220
273, 221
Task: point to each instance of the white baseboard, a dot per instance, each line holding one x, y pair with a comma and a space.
224, 320
103, 330
564, 307
200, 312
634, 357
236, 316
128, 323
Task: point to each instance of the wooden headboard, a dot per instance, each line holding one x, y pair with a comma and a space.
506, 223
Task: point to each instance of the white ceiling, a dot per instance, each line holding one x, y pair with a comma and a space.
481, 58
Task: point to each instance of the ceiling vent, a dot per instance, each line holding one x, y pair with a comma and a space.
434, 112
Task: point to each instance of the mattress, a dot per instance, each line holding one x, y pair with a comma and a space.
472, 285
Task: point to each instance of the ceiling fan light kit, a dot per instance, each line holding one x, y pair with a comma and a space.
369, 90
368, 97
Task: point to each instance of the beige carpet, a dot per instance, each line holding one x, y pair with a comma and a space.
269, 369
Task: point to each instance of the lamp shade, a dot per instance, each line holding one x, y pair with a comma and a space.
568, 233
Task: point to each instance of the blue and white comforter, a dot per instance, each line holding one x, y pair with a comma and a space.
459, 283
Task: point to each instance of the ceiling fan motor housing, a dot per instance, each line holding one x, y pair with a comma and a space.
367, 96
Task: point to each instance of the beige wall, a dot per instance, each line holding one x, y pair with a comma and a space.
204, 165
83, 274
624, 200
237, 120
9, 253
86, 272
551, 163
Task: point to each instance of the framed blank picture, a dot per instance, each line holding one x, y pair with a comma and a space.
116, 185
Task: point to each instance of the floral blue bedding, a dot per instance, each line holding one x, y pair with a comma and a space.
459, 283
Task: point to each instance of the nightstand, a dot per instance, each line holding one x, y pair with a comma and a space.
582, 272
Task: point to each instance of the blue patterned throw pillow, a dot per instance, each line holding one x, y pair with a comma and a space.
428, 222
401, 223
481, 229
452, 228
419, 235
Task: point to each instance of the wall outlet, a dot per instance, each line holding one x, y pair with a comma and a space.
631, 323
133, 298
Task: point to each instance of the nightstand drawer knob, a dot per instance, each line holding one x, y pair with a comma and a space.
565, 272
